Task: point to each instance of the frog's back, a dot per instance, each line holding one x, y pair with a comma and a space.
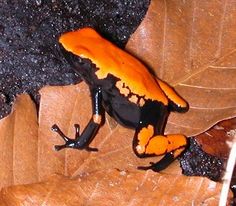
132, 74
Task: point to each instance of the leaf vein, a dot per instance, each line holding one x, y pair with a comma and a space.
191, 33
164, 39
203, 87
218, 51
203, 68
212, 108
221, 67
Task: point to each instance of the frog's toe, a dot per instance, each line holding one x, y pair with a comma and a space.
59, 147
56, 129
161, 165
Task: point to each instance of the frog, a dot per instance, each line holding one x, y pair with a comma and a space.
122, 86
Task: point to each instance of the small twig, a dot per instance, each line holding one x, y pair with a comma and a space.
229, 170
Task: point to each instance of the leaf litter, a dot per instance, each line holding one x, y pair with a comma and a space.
197, 61
109, 176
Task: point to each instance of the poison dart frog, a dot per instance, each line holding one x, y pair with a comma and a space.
123, 87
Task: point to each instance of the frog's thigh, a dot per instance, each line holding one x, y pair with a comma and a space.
160, 144
142, 138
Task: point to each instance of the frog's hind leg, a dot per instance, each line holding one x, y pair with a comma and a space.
149, 139
171, 146
176, 103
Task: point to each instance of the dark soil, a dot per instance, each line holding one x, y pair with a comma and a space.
29, 30
196, 162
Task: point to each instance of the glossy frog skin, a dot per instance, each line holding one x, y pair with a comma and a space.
123, 87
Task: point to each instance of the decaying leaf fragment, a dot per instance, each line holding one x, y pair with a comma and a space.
113, 187
215, 140
18, 144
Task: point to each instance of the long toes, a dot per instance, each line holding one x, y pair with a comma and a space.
153, 166
77, 126
91, 149
55, 128
156, 167
163, 163
65, 138
77, 130
59, 147
144, 167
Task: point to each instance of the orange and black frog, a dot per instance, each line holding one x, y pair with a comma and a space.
123, 87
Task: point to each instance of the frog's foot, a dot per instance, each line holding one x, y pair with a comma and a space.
71, 143
161, 165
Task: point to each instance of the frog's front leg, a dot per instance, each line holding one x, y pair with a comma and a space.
82, 141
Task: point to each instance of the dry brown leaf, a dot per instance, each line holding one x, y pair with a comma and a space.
216, 140
109, 175
113, 187
192, 46
18, 144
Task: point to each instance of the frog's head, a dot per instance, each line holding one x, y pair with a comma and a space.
74, 48
77, 42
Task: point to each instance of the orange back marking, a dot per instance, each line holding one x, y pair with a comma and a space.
171, 94
87, 43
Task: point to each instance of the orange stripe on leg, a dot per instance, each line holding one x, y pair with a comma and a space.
97, 118
144, 136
